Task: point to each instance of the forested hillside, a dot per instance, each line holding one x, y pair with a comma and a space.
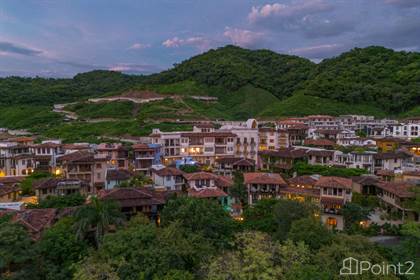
247, 83
375, 75
231, 68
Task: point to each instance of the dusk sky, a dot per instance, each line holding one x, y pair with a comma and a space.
61, 38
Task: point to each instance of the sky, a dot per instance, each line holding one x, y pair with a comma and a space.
60, 38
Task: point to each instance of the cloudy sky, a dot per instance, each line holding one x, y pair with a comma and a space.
59, 38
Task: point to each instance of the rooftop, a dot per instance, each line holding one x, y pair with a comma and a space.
264, 178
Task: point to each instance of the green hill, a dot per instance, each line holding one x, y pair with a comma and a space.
247, 83
375, 76
231, 68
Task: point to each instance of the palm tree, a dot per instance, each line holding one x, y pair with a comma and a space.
97, 217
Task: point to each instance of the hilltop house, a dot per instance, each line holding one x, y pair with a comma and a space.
335, 193
263, 185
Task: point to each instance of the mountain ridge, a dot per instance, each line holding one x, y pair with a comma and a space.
247, 83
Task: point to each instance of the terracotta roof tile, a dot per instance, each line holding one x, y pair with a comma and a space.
168, 171
400, 189
132, 197
303, 180
118, 174
200, 176
206, 192
263, 178
333, 181
224, 181
319, 142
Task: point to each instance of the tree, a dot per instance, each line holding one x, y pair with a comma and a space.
136, 182
27, 183
200, 216
70, 200
189, 168
59, 249
97, 217
143, 251
92, 269
260, 216
303, 168
176, 275
310, 231
16, 250
330, 257
238, 190
256, 256
415, 202
275, 216
287, 211
353, 214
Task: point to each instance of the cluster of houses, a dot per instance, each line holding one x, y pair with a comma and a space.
264, 152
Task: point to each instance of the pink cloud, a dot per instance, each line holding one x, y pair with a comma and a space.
277, 10
198, 42
243, 37
139, 46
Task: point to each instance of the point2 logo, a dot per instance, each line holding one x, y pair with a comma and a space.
352, 266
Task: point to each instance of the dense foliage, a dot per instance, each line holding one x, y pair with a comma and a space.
247, 83
184, 247
41, 91
373, 75
303, 168
232, 67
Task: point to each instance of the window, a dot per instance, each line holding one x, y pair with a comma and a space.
98, 176
208, 149
98, 166
332, 222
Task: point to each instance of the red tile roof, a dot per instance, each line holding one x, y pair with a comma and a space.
285, 153
319, 142
206, 192
142, 147
333, 182
319, 153
118, 174
168, 171
400, 189
49, 183
224, 181
303, 180
34, 220
301, 191
6, 189
11, 180
200, 176
236, 161
263, 178
332, 201
208, 134
132, 197
79, 156
392, 155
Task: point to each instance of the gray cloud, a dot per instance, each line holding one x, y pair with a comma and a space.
282, 13
131, 68
84, 66
405, 33
244, 38
316, 27
313, 18
404, 3
11, 48
319, 51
